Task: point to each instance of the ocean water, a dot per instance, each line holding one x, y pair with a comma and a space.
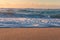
26, 18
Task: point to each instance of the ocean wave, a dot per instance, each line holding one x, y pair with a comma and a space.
30, 13
29, 22
29, 17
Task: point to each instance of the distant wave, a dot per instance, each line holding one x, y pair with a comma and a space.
30, 13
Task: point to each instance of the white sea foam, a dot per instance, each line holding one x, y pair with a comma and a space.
18, 22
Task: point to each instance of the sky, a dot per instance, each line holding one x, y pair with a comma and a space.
29, 3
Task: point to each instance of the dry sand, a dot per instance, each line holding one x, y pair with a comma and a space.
29, 33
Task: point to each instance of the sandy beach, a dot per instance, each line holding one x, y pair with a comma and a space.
29, 33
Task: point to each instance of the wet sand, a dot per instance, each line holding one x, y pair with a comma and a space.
29, 33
